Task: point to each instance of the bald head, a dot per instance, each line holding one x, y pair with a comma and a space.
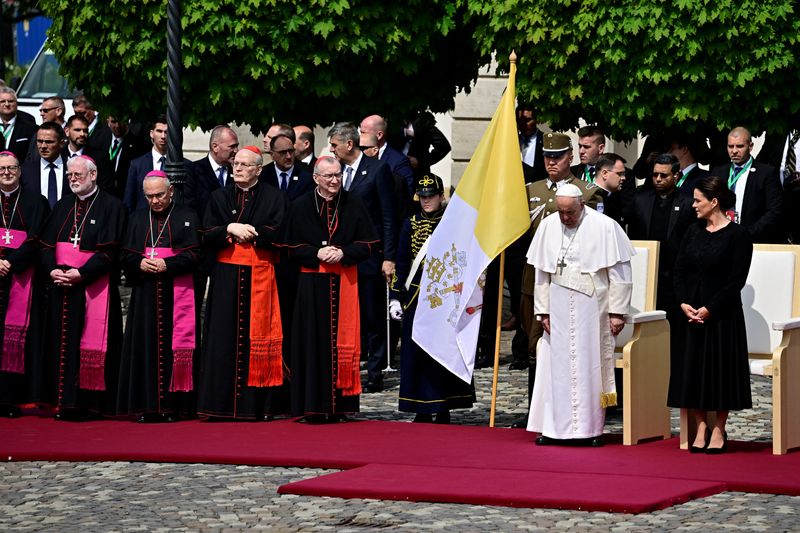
376, 125
740, 145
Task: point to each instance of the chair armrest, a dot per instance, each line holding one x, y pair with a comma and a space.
648, 316
792, 323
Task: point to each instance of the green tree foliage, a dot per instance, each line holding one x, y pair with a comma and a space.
645, 65
310, 61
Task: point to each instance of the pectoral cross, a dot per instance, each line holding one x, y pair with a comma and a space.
7, 238
152, 253
561, 264
75, 239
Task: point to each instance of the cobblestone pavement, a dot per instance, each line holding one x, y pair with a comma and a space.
87, 497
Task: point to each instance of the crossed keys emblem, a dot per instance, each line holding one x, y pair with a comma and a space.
445, 274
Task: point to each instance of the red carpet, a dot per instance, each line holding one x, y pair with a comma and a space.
423, 462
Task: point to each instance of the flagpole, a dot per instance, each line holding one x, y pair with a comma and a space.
497, 330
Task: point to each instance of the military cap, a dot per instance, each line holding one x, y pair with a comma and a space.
556, 144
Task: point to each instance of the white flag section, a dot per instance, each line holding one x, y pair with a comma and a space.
450, 293
488, 211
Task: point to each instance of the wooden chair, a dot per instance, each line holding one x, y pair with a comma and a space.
643, 348
771, 305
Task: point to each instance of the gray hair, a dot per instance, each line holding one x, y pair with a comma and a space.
88, 164
346, 131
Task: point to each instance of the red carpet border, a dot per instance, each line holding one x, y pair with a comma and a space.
423, 462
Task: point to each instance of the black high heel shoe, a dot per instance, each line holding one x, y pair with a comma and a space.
720, 450
699, 449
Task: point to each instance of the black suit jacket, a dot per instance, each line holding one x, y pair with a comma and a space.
762, 205
22, 136
100, 137
694, 175
300, 180
681, 217
537, 171
201, 182
32, 178
131, 148
374, 184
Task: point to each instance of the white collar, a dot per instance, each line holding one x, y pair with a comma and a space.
85, 196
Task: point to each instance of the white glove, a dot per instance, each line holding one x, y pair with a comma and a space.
395, 310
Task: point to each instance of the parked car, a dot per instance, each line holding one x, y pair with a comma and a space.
41, 81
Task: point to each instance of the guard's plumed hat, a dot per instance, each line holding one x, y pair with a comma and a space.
429, 185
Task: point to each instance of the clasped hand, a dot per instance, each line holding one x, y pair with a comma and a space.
242, 232
153, 266
330, 254
65, 278
695, 316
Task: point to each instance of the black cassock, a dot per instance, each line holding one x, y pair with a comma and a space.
224, 363
147, 358
345, 223
99, 221
24, 211
426, 386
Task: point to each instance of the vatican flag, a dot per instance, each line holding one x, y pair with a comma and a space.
488, 211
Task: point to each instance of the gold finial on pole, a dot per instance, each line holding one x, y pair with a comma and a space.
512, 57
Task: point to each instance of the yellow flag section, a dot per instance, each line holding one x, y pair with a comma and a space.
487, 212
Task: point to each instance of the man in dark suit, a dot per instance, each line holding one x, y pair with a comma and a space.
77, 132
282, 173
123, 148
304, 146
398, 163
99, 133
690, 150
663, 213
372, 181
609, 177
759, 195
423, 143
155, 159
18, 132
530, 143
213, 171
783, 152
47, 174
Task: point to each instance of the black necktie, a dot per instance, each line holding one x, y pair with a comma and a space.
161, 162
791, 156
284, 181
52, 186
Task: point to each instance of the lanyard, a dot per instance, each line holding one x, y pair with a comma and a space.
7, 130
680, 181
733, 178
112, 152
587, 175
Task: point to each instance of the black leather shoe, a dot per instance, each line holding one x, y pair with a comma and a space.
520, 423
518, 365
373, 386
541, 440
10, 411
721, 450
423, 418
443, 417
336, 418
267, 418
71, 415
701, 449
313, 419
596, 442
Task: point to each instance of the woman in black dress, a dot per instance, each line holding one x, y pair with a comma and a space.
710, 272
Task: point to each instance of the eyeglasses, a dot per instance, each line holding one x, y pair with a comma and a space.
289, 151
44, 110
364, 148
243, 164
9, 102
662, 175
329, 177
9, 168
156, 196
75, 175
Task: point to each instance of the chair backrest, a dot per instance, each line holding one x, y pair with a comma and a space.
644, 267
771, 294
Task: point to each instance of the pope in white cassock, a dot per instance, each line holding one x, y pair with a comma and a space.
583, 289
